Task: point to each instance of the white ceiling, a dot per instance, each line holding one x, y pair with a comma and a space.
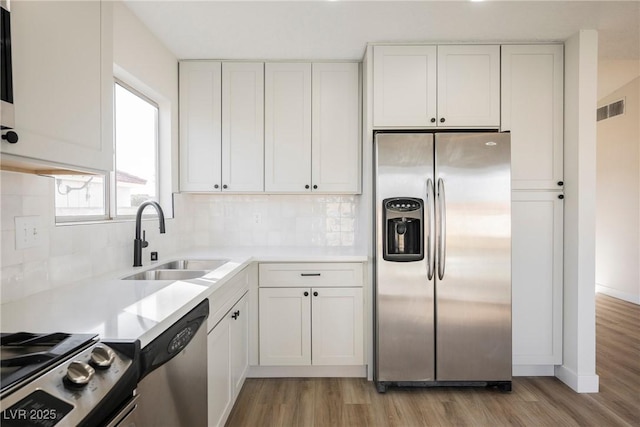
341, 29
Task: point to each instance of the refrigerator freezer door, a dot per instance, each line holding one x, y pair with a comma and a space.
473, 299
404, 295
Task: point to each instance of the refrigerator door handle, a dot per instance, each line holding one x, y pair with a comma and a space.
431, 241
442, 238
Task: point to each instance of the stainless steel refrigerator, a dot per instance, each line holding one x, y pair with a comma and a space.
443, 259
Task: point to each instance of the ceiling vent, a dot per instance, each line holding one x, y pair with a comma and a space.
611, 110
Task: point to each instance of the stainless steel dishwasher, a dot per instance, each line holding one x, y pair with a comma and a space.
173, 386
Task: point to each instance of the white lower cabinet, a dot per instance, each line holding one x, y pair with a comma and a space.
537, 224
337, 327
218, 374
311, 326
311, 314
227, 361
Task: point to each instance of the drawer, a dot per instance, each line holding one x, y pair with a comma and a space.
338, 274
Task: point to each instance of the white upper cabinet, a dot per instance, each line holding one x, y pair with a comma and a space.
287, 136
469, 86
312, 127
404, 85
243, 126
465, 93
336, 128
63, 85
532, 109
276, 127
200, 125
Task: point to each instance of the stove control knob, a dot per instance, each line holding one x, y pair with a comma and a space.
79, 373
102, 357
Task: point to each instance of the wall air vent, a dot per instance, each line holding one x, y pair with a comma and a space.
611, 110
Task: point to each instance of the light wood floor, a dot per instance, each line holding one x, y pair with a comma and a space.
535, 401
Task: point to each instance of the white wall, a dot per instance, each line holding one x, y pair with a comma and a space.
615, 73
618, 197
578, 369
143, 62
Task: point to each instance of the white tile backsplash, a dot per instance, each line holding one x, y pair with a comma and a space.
73, 252
284, 220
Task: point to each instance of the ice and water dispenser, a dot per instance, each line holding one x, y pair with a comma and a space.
403, 229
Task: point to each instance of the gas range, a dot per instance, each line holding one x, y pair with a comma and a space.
65, 379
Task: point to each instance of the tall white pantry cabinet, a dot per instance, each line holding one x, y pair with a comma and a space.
532, 110
515, 88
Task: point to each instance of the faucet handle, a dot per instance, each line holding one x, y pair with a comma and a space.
144, 239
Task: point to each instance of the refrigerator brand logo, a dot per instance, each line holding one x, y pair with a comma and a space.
490, 144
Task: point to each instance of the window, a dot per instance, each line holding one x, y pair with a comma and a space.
82, 197
136, 150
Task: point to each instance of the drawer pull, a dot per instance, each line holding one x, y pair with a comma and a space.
309, 274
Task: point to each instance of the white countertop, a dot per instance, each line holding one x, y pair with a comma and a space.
142, 309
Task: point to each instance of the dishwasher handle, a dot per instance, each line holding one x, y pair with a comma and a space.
172, 341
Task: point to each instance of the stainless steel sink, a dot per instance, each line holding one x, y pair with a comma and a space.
182, 269
192, 264
167, 275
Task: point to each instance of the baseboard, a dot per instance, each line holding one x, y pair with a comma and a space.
533, 370
358, 371
625, 296
580, 383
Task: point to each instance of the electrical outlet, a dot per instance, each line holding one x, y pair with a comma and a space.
27, 231
257, 218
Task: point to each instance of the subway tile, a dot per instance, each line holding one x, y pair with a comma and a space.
10, 207
11, 183
10, 255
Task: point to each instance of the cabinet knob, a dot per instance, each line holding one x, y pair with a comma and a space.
561, 196
235, 314
442, 120
306, 186
561, 183
315, 187
315, 294
11, 137
306, 294
433, 119
216, 186
224, 185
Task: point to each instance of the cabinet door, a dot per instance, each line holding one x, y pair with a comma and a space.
469, 86
219, 396
239, 342
243, 126
336, 128
285, 326
200, 125
532, 109
537, 227
287, 100
337, 335
404, 86
62, 76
